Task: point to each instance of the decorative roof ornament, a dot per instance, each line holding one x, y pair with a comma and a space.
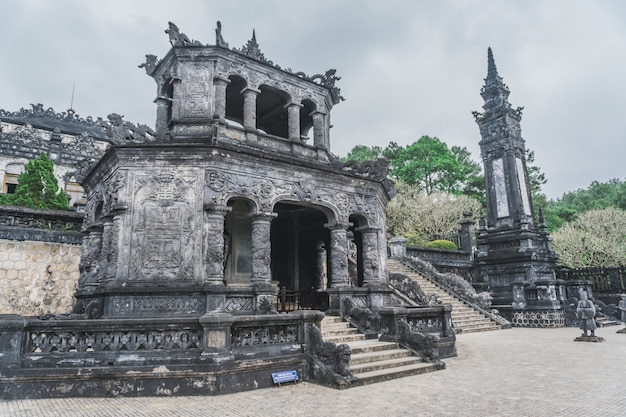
219, 40
38, 111
150, 64
252, 50
120, 131
177, 38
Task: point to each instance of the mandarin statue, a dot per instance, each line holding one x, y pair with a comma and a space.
586, 312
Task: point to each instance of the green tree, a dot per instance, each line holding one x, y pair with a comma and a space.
362, 153
37, 187
598, 195
431, 165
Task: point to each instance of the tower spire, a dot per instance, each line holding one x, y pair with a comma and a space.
495, 92
492, 71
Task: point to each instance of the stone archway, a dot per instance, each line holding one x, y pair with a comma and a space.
299, 249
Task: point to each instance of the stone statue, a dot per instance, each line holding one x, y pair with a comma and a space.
219, 40
150, 64
622, 307
586, 312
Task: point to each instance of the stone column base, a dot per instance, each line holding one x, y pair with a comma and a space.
589, 339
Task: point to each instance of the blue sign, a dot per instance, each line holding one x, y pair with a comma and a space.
286, 376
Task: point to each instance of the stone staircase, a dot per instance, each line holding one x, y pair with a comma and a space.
465, 318
372, 360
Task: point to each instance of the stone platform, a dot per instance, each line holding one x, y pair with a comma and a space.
514, 382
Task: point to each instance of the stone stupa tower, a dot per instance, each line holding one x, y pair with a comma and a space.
513, 247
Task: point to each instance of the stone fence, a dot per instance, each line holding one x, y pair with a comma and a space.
41, 358
606, 279
39, 256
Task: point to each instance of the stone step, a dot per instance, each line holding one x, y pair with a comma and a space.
377, 355
339, 331
385, 364
380, 375
464, 317
370, 345
344, 338
481, 329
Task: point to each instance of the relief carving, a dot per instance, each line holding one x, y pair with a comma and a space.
162, 240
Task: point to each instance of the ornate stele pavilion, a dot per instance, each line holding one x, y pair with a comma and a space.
192, 229
237, 195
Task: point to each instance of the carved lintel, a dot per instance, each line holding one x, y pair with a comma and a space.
337, 225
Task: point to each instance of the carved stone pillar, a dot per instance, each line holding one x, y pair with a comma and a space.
293, 110
338, 254
163, 106
220, 97
321, 266
319, 139
92, 245
176, 99
108, 254
249, 107
371, 264
214, 244
261, 248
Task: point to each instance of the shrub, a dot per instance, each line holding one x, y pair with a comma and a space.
441, 244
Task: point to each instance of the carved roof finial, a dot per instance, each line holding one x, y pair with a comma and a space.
252, 50
219, 40
495, 91
492, 71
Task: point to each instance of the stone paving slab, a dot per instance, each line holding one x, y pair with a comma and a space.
517, 372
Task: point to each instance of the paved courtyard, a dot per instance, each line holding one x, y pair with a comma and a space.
518, 372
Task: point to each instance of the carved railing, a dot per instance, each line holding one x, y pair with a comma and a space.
425, 330
22, 223
458, 287
61, 342
291, 300
605, 279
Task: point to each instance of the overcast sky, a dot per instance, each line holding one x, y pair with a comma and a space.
409, 68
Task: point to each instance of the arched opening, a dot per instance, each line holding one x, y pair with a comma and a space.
271, 114
168, 93
299, 252
234, 99
11, 178
238, 243
355, 253
306, 120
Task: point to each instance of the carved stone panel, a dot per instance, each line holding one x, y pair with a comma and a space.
196, 88
502, 202
166, 218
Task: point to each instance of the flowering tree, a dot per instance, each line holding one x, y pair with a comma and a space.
596, 238
418, 216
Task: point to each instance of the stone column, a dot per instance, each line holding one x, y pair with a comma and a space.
176, 99
163, 105
214, 244
318, 129
369, 250
338, 254
468, 234
293, 110
261, 248
321, 265
220, 97
249, 107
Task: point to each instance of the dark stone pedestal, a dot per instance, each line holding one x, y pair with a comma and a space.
589, 339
